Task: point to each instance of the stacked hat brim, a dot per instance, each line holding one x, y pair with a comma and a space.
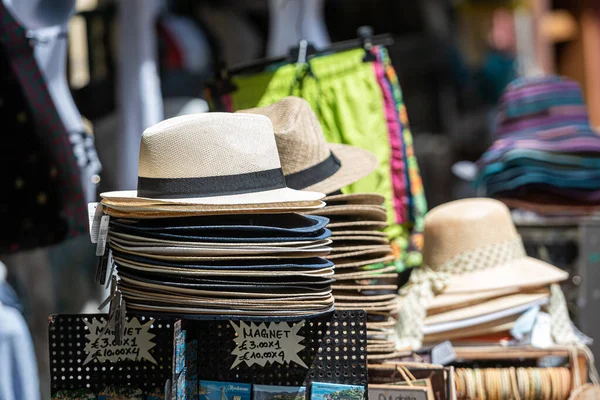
213, 230
546, 156
364, 277
228, 265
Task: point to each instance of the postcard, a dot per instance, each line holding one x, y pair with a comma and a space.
332, 391
213, 390
267, 392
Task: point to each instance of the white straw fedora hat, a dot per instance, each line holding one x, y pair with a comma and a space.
472, 246
211, 158
308, 161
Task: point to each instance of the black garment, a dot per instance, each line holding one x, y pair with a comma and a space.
41, 197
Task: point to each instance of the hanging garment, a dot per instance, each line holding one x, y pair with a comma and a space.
398, 164
18, 370
358, 103
417, 205
42, 199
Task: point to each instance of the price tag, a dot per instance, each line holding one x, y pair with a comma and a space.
268, 343
102, 235
94, 216
541, 336
443, 353
135, 346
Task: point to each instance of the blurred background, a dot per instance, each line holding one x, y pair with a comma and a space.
132, 63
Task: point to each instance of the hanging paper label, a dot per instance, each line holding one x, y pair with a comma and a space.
102, 235
136, 345
94, 216
541, 335
267, 343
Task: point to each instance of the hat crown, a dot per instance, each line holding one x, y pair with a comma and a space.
541, 103
298, 134
465, 225
207, 145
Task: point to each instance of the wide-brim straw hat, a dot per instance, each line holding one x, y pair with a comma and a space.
308, 161
471, 246
218, 159
476, 243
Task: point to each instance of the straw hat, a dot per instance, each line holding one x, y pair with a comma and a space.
472, 246
211, 159
308, 161
477, 244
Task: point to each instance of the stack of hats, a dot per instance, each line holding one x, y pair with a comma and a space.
361, 252
212, 228
476, 281
364, 273
546, 158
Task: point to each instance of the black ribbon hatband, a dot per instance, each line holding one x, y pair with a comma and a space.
315, 174
210, 186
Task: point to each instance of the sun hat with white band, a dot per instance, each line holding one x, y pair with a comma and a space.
472, 246
212, 159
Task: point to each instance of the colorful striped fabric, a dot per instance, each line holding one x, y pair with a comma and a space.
417, 200
544, 141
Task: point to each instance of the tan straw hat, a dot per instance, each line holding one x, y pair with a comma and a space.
472, 246
308, 161
212, 159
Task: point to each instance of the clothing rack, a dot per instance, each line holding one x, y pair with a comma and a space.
365, 40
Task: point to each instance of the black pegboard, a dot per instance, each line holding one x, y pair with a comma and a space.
67, 337
335, 352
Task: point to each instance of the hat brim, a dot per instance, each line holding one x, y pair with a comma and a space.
387, 272
525, 272
361, 212
237, 292
356, 163
267, 198
285, 303
135, 240
353, 263
229, 313
487, 307
373, 199
365, 233
355, 225
502, 325
178, 272
449, 301
220, 252
147, 211
482, 319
